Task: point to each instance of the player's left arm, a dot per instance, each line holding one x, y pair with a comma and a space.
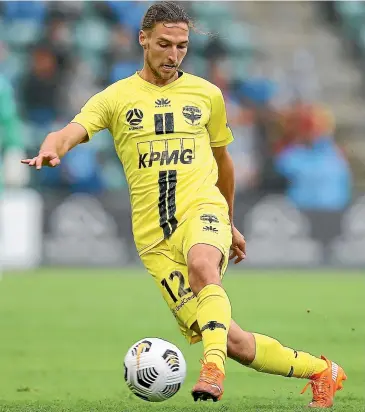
220, 136
225, 184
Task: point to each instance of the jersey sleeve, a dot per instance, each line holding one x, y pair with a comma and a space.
218, 129
96, 114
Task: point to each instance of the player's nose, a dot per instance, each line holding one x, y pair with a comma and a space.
173, 55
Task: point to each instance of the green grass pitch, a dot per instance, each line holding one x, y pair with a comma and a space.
64, 334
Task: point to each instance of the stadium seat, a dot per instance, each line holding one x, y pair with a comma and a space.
350, 9
198, 41
92, 35
353, 17
212, 10
22, 33
14, 66
199, 65
94, 61
2, 30
113, 175
20, 10
129, 13
240, 64
361, 41
237, 37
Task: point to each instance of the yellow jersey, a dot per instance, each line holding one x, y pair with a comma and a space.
163, 137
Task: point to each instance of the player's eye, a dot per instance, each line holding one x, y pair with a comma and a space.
163, 45
182, 46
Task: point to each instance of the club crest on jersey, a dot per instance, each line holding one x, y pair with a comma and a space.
134, 118
192, 115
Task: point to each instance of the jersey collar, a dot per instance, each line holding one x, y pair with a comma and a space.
159, 88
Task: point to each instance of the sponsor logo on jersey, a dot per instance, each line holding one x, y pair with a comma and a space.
209, 218
162, 102
210, 229
134, 118
166, 152
183, 302
192, 115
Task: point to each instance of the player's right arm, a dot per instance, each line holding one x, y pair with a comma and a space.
94, 116
57, 144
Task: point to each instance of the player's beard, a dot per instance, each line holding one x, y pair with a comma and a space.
158, 74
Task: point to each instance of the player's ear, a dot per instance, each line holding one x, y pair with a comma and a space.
142, 38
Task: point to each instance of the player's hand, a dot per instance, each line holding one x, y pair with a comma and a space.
238, 248
49, 159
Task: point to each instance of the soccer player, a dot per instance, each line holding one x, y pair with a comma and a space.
171, 135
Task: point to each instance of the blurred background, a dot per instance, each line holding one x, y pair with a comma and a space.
293, 76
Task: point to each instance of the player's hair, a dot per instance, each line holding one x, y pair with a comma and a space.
167, 12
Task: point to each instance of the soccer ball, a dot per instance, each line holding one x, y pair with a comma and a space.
154, 369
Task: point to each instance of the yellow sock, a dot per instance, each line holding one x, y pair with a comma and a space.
272, 357
214, 318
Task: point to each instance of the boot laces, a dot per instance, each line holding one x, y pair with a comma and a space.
320, 389
209, 373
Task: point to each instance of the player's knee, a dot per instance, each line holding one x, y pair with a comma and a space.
202, 272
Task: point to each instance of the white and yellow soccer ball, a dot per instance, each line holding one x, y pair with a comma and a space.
154, 369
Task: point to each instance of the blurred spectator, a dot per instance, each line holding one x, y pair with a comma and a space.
256, 94
58, 38
241, 122
303, 79
39, 89
317, 172
123, 56
78, 85
82, 47
67, 10
11, 143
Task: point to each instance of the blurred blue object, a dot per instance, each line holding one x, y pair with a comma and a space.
257, 90
121, 70
82, 172
17, 10
129, 13
42, 116
319, 176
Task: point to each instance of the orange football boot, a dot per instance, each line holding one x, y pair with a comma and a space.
325, 384
210, 383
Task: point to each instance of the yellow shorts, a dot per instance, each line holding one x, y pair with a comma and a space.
166, 262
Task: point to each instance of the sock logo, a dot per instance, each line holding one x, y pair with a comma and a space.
291, 372
213, 324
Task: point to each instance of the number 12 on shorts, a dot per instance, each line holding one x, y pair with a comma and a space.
182, 291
